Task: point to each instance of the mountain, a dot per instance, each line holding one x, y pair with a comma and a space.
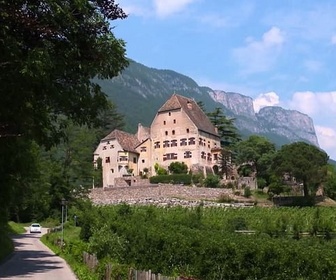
139, 91
273, 122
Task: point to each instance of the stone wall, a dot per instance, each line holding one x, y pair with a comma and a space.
164, 195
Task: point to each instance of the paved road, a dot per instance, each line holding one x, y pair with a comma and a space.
33, 260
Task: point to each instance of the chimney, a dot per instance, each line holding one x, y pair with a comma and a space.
189, 105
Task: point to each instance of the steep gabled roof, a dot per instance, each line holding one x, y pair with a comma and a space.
194, 112
126, 140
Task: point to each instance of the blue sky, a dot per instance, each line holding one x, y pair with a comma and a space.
281, 53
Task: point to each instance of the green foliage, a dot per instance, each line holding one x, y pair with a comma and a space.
261, 183
245, 170
50, 53
171, 179
247, 192
197, 178
15, 228
305, 162
211, 181
178, 168
237, 223
201, 242
257, 152
330, 184
276, 188
227, 131
159, 170
104, 243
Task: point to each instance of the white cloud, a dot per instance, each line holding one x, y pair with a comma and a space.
265, 99
136, 7
259, 56
326, 137
165, 8
315, 103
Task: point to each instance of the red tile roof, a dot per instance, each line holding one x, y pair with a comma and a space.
194, 112
126, 140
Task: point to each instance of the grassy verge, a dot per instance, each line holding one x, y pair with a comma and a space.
6, 243
72, 251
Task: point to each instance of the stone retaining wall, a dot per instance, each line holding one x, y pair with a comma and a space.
164, 195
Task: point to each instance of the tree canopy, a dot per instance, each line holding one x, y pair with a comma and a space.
50, 53
305, 162
256, 152
227, 131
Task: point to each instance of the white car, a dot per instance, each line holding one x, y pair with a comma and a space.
35, 228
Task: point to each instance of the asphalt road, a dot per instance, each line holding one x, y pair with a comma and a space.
33, 260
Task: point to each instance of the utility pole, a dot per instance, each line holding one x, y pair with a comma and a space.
63, 203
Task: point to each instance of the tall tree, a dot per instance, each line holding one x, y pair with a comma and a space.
226, 129
50, 51
307, 163
256, 152
110, 120
228, 134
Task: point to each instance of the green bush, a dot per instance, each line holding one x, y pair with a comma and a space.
197, 178
261, 183
171, 179
177, 167
247, 192
211, 181
229, 185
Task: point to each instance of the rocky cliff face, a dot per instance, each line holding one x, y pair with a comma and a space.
288, 123
271, 122
237, 103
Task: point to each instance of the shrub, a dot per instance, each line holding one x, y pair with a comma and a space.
247, 192
197, 178
160, 170
261, 183
229, 185
178, 168
173, 179
211, 181
237, 223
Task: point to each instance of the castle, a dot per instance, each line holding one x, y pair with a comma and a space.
180, 131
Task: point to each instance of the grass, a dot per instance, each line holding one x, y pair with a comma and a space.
72, 250
6, 243
14, 228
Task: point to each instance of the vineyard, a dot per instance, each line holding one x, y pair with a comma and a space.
215, 243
